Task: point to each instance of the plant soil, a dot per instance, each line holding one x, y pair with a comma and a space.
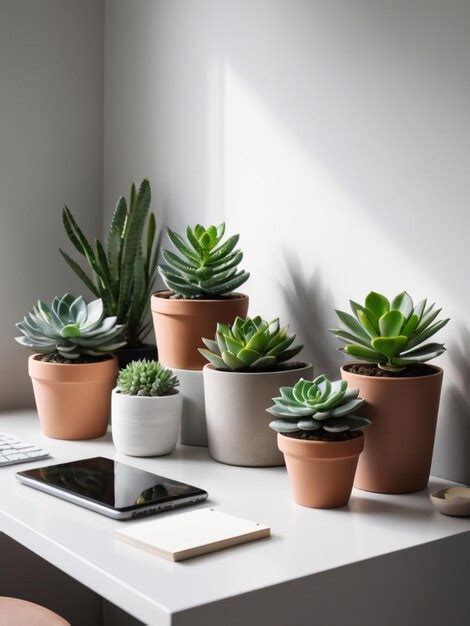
369, 369
324, 436
58, 358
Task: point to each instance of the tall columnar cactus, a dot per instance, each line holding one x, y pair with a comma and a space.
71, 328
205, 269
250, 344
147, 378
317, 405
390, 334
122, 275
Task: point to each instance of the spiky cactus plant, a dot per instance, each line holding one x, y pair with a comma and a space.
147, 378
317, 406
390, 334
206, 269
250, 343
70, 328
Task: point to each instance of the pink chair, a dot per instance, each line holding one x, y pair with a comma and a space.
14, 612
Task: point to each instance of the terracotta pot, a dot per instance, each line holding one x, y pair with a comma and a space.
180, 323
399, 442
73, 401
236, 417
321, 473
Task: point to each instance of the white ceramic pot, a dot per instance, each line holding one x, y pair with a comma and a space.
237, 422
193, 420
145, 426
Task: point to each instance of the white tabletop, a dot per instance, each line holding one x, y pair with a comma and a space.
304, 541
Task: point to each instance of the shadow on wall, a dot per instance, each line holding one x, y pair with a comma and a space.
455, 420
309, 305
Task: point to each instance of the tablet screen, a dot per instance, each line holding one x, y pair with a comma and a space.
112, 484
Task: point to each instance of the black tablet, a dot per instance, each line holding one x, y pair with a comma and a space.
112, 488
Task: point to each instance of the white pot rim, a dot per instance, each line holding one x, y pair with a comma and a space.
302, 365
118, 394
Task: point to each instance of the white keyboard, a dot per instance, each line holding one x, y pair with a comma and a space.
13, 451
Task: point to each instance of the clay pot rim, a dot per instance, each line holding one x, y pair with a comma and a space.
235, 296
438, 372
38, 359
322, 443
116, 392
302, 365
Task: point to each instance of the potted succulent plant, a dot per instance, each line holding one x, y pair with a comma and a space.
146, 410
201, 284
320, 439
248, 362
401, 390
72, 370
122, 271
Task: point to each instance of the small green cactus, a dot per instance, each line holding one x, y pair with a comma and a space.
147, 378
250, 343
317, 405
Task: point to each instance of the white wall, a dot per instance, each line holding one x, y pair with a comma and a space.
333, 135
51, 131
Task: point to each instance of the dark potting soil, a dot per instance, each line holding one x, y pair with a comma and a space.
315, 436
170, 295
369, 369
58, 358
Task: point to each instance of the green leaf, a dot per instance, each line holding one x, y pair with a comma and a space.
367, 324
377, 304
265, 362
343, 335
352, 324
81, 274
403, 303
179, 244
428, 332
223, 250
114, 244
308, 424
231, 285
231, 361
198, 248
410, 325
283, 426
390, 346
391, 324
363, 353
216, 360
248, 357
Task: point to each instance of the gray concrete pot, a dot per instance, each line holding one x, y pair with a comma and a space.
237, 422
193, 421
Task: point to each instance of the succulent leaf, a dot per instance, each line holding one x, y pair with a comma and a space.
385, 333
205, 268
250, 343
71, 328
317, 405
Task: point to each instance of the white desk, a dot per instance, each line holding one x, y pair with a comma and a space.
305, 544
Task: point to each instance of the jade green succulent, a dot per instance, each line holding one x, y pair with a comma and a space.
147, 378
72, 328
390, 334
206, 269
122, 270
317, 405
250, 343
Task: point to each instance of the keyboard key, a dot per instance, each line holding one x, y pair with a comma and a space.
16, 457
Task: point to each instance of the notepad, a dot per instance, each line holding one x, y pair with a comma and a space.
190, 534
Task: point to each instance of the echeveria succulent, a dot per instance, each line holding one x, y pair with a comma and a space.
147, 378
390, 334
316, 405
70, 327
250, 343
205, 269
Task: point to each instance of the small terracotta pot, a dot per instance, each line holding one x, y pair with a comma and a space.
73, 401
399, 442
237, 422
321, 473
180, 323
